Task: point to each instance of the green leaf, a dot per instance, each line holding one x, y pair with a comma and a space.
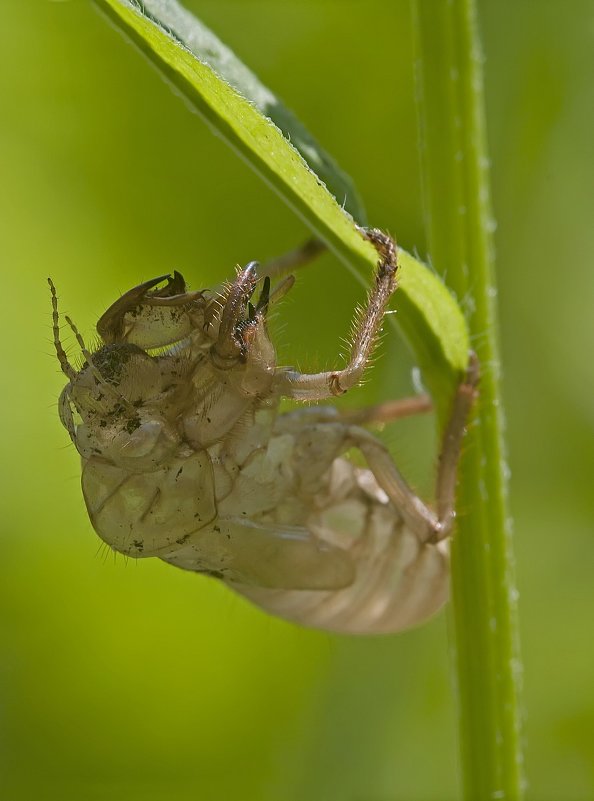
206, 46
231, 100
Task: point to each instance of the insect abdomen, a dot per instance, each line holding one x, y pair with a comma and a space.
398, 582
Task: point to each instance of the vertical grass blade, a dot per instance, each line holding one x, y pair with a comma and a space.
459, 226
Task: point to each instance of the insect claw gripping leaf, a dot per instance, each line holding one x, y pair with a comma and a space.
186, 457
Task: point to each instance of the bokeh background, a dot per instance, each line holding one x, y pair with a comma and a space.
140, 682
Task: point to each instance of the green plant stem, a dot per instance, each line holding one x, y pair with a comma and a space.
459, 224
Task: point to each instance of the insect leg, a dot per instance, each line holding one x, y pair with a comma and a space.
429, 526
378, 414
449, 456
65, 412
367, 324
229, 346
417, 515
129, 319
388, 411
109, 325
299, 257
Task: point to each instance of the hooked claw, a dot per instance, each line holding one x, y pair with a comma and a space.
111, 324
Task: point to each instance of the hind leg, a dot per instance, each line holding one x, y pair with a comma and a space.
322, 435
428, 525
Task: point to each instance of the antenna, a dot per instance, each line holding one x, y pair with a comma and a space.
65, 365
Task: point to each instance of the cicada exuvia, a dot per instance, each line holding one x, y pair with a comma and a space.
186, 457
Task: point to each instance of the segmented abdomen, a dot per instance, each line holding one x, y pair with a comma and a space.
397, 581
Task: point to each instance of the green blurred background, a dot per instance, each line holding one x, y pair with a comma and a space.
140, 682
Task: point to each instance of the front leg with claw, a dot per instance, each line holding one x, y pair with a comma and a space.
366, 327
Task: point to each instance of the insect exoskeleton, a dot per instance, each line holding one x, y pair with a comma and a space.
186, 457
